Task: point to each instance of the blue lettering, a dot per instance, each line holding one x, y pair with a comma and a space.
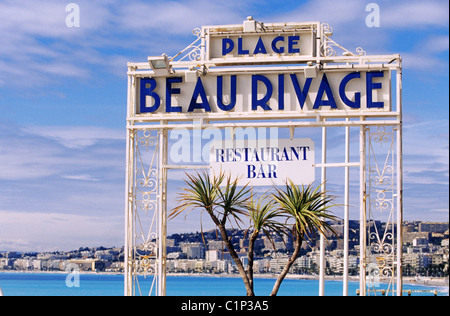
272, 171
147, 89
262, 91
219, 155
254, 156
260, 48
275, 151
263, 156
292, 41
170, 91
230, 155
251, 171
227, 46
220, 103
371, 86
280, 92
264, 172
285, 155
262, 102
324, 88
301, 95
304, 151
199, 90
277, 50
353, 104
246, 153
242, 51
295, 153
237, 155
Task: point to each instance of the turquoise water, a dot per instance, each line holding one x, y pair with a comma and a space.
54, 284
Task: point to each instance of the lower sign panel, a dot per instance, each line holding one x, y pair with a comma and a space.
265, 162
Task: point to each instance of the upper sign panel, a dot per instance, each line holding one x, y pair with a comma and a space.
258, 43
257, 71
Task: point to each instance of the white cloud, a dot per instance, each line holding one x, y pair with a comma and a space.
422, 61
81, 177
424, 55
77, 136
38, 45
414, 14
436, 44
60, 192
329, 11
34, 33
49, 231
347, 18
41, 152
177, 17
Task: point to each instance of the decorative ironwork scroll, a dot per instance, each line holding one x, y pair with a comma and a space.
327, 47
145, 211
381, 210
193, 51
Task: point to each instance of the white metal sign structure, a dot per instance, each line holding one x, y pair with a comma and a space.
257, 75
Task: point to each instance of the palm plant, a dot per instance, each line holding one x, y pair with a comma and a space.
264, 218
309, 209
222, 199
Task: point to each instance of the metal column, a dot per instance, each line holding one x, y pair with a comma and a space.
346, 210
362, 215
322, 237
399, 184
162, 213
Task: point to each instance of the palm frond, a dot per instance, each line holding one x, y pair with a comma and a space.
233, 200
202, 192
265, 217
308, 206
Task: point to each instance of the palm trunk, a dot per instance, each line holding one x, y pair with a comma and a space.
240, 266
233, 255
251, 246
291, 261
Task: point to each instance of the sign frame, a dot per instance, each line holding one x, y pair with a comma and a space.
150, 133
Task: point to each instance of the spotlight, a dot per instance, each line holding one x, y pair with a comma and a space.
160, 64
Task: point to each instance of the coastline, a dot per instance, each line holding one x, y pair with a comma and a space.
421, 281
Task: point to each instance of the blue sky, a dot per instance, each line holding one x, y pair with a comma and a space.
63, 102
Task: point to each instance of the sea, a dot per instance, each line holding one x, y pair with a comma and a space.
60, 284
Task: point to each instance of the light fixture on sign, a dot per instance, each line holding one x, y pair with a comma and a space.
160, 64
311, 70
